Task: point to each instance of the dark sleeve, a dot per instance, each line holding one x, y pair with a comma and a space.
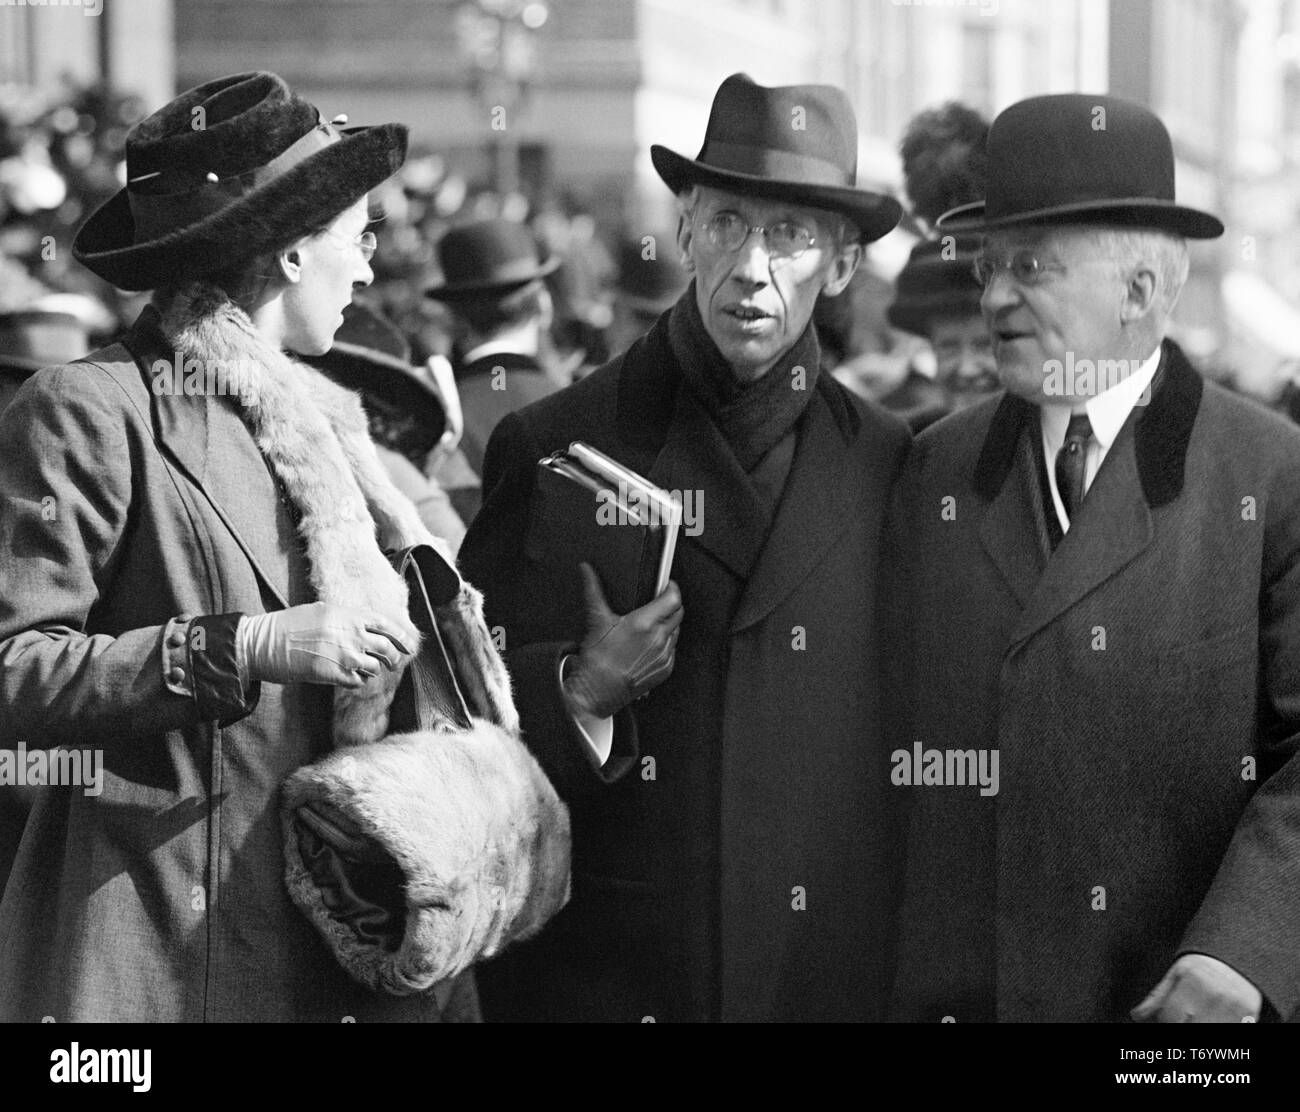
66, 475
1250, 918
493, 559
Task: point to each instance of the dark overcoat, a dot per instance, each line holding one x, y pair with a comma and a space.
162, 898
734, 858
1142, 688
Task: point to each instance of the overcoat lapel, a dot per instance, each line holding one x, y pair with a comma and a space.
1011, 530
823, 495
1110, 530
182, 427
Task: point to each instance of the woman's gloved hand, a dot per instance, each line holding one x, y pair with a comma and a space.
317, 643
622, 656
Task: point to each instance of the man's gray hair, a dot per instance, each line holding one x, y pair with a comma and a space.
1164, 252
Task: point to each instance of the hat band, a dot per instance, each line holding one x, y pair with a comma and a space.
765, 162
155, 215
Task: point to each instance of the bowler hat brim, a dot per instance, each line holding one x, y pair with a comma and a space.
1129, 212
287, 208
875, 214
488, 287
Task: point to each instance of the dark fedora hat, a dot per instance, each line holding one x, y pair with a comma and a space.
790, 143
937, 281
488, 258
1077, 158
372, 357
231, 168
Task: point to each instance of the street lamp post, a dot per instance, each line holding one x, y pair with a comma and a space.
497, 40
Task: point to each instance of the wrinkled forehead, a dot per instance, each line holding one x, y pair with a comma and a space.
763, 210
1043, 239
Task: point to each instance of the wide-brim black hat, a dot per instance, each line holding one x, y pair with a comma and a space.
1075, 158
936, 282
795, 143
488, 258
232, 168
372, 357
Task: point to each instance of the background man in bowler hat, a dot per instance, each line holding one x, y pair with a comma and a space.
493, 286
732, 851
1106, 589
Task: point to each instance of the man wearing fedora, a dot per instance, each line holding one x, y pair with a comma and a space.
1106, 591
720, 748
493, 287
197, 610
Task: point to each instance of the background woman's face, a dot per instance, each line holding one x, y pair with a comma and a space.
332, 267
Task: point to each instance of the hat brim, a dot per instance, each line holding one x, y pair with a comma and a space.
917, 314
280, 212
22, 365
366, 371
875, 214
1132, 212
465, 291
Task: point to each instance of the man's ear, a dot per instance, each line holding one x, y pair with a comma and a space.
290, 263
1139, 294
843, 266
685, 234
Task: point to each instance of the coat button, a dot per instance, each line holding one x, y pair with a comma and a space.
176, 638
185, 618
176, 675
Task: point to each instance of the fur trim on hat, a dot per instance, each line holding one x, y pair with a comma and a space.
479, 834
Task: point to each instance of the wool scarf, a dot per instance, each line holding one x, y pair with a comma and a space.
752, 416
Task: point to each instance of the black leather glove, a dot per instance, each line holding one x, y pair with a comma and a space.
622, 657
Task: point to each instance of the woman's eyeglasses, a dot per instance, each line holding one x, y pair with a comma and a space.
367, 242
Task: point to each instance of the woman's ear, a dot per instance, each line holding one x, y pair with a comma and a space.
290, 263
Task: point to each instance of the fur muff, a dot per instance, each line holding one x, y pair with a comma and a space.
479, 834
481, 839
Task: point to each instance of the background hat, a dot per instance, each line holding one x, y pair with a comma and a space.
649, 285
753, 145
1076, 158
372, 357
488, 258
34, 338
262, 171
932, 286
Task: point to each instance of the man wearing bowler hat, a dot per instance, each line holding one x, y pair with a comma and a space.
493, 287
719, 748
1106, 589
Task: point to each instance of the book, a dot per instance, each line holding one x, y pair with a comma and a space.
588, 507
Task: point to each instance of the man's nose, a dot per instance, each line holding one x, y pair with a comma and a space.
366, 276
753, 262
1000, 292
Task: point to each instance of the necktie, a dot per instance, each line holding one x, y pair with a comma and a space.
1072, 463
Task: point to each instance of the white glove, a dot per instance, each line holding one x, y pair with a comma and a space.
317, 643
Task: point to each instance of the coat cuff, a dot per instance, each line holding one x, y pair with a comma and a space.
550, 729
213, 673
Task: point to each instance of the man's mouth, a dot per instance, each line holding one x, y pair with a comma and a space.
746, 314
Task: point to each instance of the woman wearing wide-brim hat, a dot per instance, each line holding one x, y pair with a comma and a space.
197, 605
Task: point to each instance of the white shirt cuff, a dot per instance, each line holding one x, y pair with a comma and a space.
598, 733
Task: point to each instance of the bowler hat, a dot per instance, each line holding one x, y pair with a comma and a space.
648, 285
936, 281
227, 170
794, 143
371, 356
1075, 158
488, 258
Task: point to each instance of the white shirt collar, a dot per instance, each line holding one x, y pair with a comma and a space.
1106, 411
